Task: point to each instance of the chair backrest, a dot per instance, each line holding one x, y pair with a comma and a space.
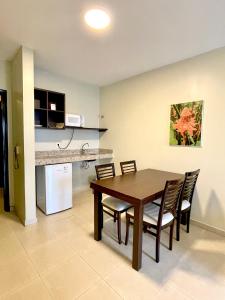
128, 166
188, 187
170, 197
105, 171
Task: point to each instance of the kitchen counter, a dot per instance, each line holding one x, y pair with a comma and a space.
65, 156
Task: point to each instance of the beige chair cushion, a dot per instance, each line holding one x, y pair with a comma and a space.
151, 213
185, 204
114, 203
104, 196
158, 201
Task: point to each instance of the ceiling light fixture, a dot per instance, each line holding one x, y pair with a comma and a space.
97, 19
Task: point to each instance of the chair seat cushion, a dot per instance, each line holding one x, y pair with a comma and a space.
157, 201
185, 204
115, 204
151, 213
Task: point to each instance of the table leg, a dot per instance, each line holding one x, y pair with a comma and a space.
137, 237
98, 216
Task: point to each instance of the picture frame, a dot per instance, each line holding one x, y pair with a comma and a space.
186, 124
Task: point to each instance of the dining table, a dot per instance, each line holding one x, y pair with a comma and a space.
137, 188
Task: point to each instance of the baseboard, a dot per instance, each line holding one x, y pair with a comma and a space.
208, 227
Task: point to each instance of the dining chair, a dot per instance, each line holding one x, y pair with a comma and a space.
128, 166
185, 201
158, 218
112, 206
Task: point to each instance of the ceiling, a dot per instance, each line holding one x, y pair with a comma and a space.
144, 35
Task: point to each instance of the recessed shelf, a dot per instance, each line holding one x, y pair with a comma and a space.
41, 109
45, 117
57, 111
87, 128
52, 110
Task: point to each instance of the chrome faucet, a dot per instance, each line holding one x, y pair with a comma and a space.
83, 150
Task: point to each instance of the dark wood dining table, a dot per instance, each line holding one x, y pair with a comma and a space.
138, 188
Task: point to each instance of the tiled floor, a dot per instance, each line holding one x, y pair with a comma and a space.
59, 259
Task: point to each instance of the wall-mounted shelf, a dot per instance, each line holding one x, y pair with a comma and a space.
45, 116
87, 128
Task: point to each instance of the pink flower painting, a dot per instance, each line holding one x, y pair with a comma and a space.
186, 123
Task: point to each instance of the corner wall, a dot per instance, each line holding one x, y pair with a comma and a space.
23, 135
137, 112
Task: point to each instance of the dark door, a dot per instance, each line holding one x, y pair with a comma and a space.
1, 146
4, 176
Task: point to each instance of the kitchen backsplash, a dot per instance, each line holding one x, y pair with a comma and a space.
47, 139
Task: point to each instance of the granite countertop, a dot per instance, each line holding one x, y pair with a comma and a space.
64, 156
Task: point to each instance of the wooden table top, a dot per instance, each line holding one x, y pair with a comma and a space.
145, 185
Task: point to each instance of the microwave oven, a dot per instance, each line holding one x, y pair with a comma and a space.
74, 120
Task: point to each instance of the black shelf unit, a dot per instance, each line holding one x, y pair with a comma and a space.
45, 117
87, 128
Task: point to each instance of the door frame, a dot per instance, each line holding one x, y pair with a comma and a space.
4, 126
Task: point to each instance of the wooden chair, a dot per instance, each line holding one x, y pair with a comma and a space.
158, 218
128, 166
111, 206
185, 201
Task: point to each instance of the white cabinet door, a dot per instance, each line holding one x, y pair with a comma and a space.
58, 187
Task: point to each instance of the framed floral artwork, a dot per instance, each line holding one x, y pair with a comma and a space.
186, 124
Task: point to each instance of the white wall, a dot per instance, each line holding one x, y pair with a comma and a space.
29, 138
82, 99
136, 111
4, 75
5, 84
23, 134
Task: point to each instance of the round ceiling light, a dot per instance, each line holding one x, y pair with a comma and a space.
97, 19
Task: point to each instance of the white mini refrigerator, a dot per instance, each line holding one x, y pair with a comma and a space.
54, 187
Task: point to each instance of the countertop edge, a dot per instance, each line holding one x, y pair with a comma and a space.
71, 159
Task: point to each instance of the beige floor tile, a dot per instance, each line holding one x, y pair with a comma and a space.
130, 284
70, 279
211, 242
195, 269
36, 290
5, 229
205, 260
51, 254
102, 258
80, 240
198, 286
15, 224
87, 227
35, 235
16, 274
83, 215
158, 273
10, 248
170, 292
101, 291
54, 217
63, 227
